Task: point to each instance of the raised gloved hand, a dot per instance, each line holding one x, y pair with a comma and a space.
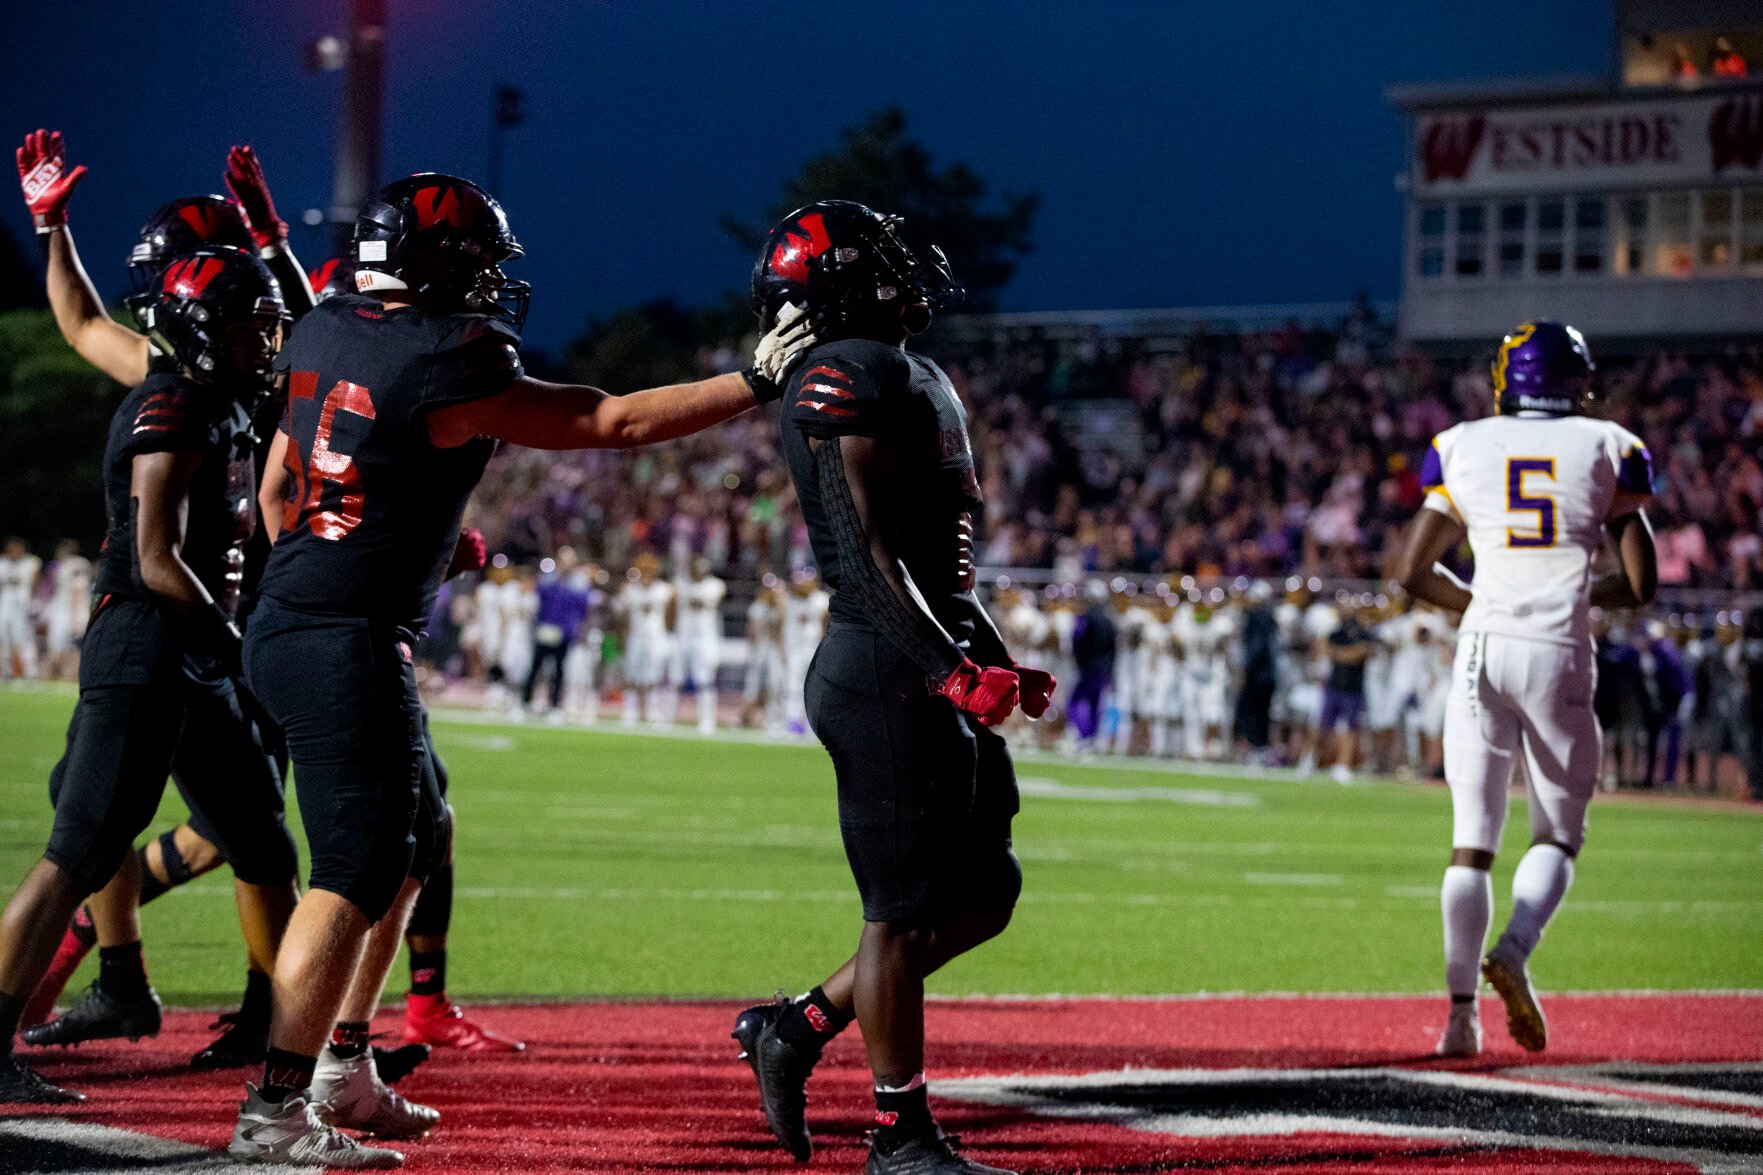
244, 179
43, 174
470, 553
989, 692
1036, 687
792, 335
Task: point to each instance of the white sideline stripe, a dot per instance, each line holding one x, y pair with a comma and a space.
138, 1151
1298, 879
1041, 787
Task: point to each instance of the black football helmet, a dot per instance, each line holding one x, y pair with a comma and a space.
335, 276
847, 264
184, 226
218, 313
444, 239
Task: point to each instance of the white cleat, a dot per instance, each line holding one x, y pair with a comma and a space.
291, 1132
349, 1093
1462, 1036
1524, 1016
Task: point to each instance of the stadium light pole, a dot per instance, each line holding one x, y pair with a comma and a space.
358, 142
506, 113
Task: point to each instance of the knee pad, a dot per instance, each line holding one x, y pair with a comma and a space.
177, 870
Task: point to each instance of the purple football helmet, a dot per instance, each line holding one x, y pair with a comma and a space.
1543, 367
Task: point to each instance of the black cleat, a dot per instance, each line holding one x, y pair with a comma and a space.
241, 1043
925, 1154
782, 1072
21, 1086
394, 1065
98, 1015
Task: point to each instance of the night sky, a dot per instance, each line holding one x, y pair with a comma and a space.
1186, 153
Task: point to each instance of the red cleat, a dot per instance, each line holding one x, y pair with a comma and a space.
436, 1020
68, 957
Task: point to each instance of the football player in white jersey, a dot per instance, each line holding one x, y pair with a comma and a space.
1540, 489
520, 609
646, 604
805, 610
1166, 679
70, 603
698, 643
765, 656
1206, 633
18, 633
1125, 695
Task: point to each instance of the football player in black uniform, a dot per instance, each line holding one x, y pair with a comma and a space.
156, 689
910, 677
181, 854
396, 398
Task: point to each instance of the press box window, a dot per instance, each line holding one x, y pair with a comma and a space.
1471, 239
1514, 219
1430, 259
1751, 228
1551, 235
1714, 240
1588, 235
1672, 255
1629, 256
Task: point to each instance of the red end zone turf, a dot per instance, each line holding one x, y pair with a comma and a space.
1641, 1083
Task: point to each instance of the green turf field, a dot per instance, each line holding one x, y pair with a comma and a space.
603, 863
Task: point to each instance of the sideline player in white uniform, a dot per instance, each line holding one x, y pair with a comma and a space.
1206, 633
804, 624
18, 636
1125, 696
646, 604
70, 603
763, 696
520, 609
1539, 488
698, 646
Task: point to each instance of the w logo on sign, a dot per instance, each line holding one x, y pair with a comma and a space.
1448, 147
1735, 133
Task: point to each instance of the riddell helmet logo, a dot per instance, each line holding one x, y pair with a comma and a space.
1449, 145
1735, 133
203, 220
189, 277
790, 258
437, 205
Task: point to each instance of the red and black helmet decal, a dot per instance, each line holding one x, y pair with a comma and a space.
188, 277
802, 241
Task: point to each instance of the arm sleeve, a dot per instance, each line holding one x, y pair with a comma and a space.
852, 397
478, 360
909, 627
987, 643
1634, 468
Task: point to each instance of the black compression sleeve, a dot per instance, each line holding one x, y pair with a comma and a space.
988, 644
901, 621
296, 294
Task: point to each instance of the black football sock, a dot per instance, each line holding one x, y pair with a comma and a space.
428, 972
83, 929
1463, 999
285, 1073
349, 1039
122, 972
254, 1008
902, 1113
811, 1021
11, 1012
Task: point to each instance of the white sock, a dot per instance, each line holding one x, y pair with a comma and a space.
707, 710
1538, 885
1467, 901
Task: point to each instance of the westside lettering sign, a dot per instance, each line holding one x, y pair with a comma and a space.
1678, 139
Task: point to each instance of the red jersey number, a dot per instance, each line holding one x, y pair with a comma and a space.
326, 466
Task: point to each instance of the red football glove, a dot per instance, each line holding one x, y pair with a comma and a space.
244, 179
470, 553
1037, 686
989, 693
43, 174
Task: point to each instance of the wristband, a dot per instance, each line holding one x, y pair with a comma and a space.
764, 391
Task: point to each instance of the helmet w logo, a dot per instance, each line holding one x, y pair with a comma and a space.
202, 219
790, 258
190, 276
437, 205
1448, 147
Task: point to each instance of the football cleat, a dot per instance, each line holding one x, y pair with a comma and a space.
347, 1093
1524, 1016
925, 1154
291, 1132
394, 1065
1462, 1036
20, 1085
436, 1020
68, 957
98, 1015
241, 1042
782, 1071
